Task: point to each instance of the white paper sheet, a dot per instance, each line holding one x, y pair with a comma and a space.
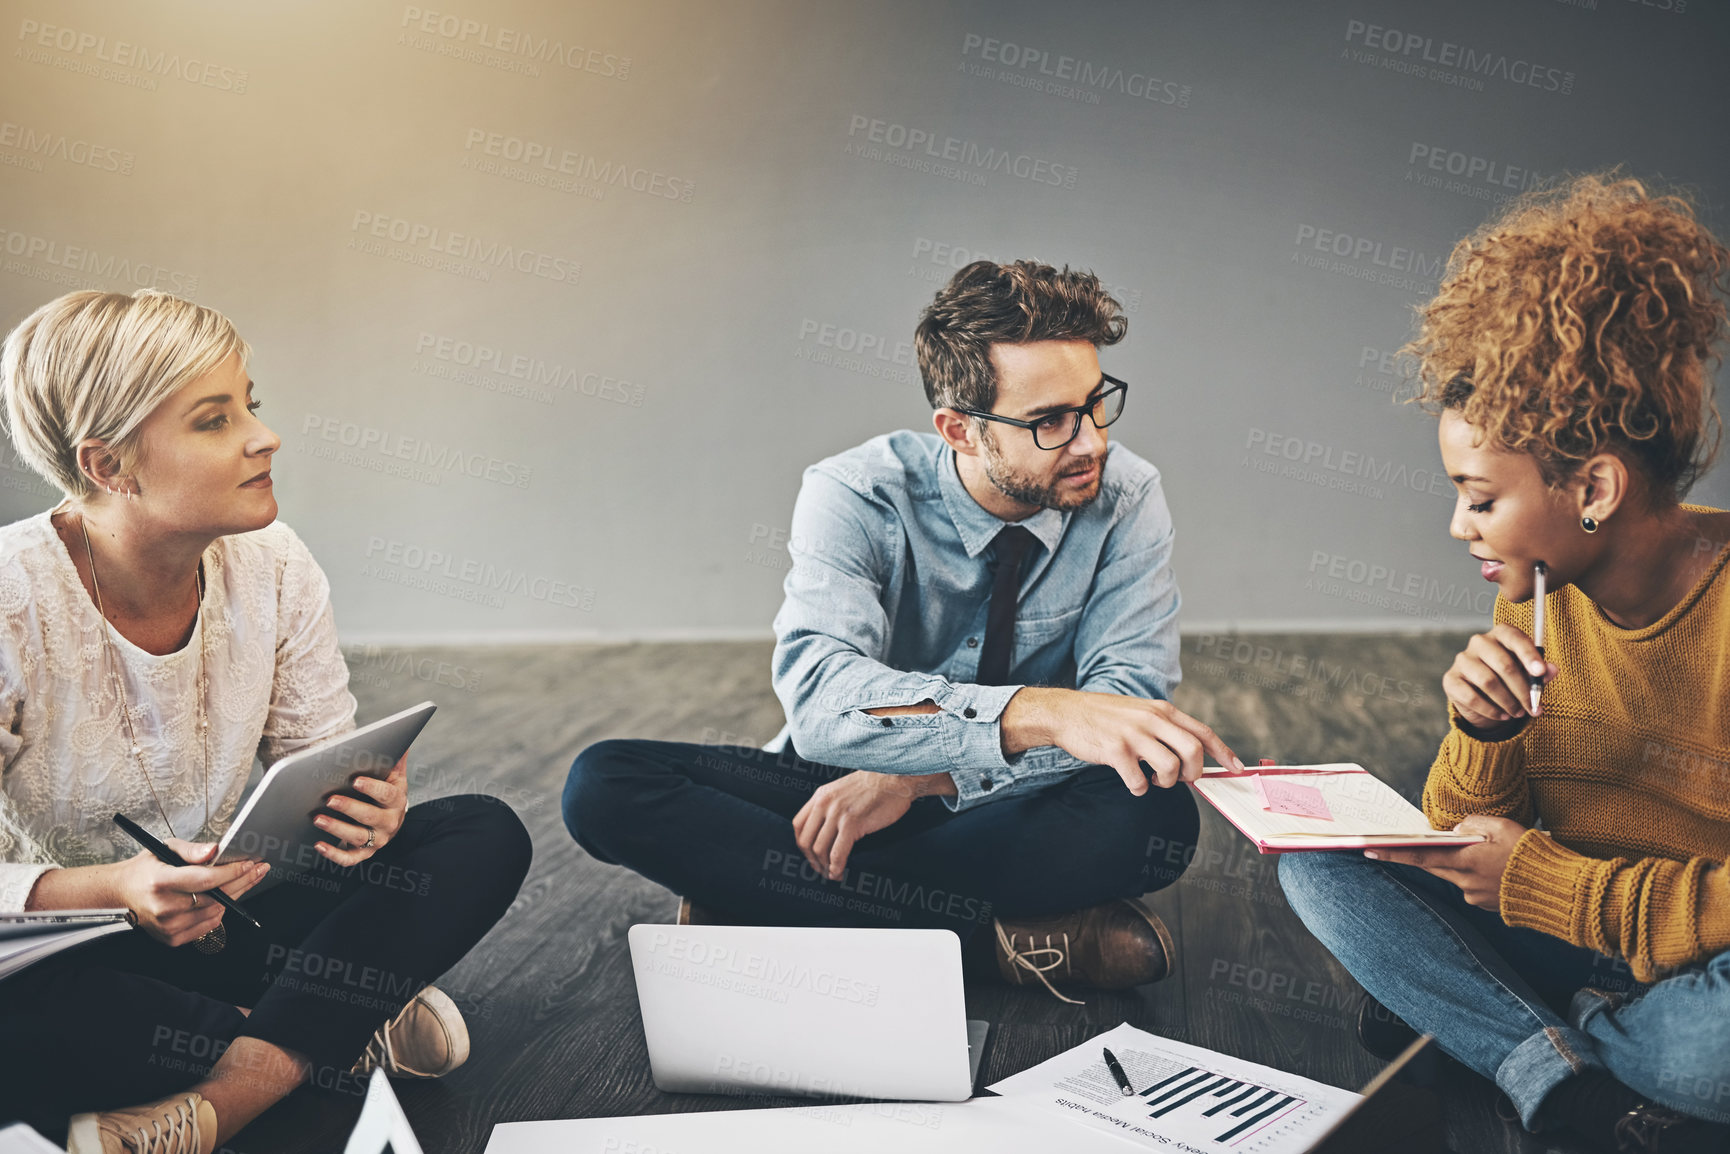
21, 1139
382, 1126
1188, 1099
979, 1126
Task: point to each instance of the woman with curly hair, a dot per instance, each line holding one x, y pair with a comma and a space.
1580, 955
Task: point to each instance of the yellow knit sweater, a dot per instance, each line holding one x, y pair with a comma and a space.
1629, 770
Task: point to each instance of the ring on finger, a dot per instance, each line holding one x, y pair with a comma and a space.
371, 838
194, 901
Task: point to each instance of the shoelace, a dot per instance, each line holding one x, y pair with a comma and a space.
1642, 1128
181, 1136
1024, 959
380, 1053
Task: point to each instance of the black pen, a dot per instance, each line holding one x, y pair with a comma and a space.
1118, 1074
168, 857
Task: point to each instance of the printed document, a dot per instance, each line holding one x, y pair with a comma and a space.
1185, 1098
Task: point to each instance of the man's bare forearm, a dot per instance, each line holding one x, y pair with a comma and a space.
903, 710
930, 784
1142, 739
1030, 720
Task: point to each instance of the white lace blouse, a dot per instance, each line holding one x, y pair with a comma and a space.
276, 679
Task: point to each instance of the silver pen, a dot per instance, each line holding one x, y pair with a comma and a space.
1540, 572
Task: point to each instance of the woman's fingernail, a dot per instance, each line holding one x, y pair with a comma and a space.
1370, 853
1537, 668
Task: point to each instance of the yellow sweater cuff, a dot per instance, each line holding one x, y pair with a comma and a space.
1548, 887
1472, 776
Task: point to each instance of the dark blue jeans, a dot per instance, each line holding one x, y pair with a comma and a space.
714, 823
1520, 1007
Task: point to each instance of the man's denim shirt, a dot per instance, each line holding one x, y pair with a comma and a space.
887, 600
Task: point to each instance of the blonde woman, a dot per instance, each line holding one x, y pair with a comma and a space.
158, 628
1579, 956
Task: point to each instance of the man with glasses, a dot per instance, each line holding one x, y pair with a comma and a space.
975, 655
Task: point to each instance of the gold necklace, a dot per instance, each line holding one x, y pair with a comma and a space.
213, 941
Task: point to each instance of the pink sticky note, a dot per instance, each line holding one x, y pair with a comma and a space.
1282, 796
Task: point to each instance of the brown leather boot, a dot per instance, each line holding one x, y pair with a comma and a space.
692, 914
1617, 1120
1109, 947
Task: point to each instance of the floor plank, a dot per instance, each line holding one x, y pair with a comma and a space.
549, 993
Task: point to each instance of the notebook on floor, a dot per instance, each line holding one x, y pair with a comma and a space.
28, 937
1393, 1114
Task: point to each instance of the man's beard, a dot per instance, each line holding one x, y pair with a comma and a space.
1030, 490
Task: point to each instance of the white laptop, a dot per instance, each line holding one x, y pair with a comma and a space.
861, 1013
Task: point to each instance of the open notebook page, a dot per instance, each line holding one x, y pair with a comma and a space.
1365, 810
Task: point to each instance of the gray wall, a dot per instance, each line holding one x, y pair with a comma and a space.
1270, 187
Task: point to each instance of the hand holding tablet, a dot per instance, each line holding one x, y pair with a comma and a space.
353, 788
363, 825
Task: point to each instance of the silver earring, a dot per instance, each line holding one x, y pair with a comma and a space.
1589, 524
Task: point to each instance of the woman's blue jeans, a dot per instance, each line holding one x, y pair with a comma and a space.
1520, 1007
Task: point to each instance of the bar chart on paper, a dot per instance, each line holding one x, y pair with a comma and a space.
1208, 1100
1185, 1097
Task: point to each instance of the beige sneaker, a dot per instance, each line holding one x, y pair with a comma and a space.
184, 1124
427, 1040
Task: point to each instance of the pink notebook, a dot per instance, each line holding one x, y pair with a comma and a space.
1290, 808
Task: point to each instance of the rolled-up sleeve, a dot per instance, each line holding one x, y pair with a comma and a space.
832, 635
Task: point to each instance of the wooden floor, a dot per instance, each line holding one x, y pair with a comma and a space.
549, 995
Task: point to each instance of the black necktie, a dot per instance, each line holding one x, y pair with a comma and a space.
1012, 544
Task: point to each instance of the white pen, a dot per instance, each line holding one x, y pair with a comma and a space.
1540, 571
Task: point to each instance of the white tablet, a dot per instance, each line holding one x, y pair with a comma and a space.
275, 824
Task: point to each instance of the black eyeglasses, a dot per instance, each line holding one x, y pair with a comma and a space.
1057, 429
